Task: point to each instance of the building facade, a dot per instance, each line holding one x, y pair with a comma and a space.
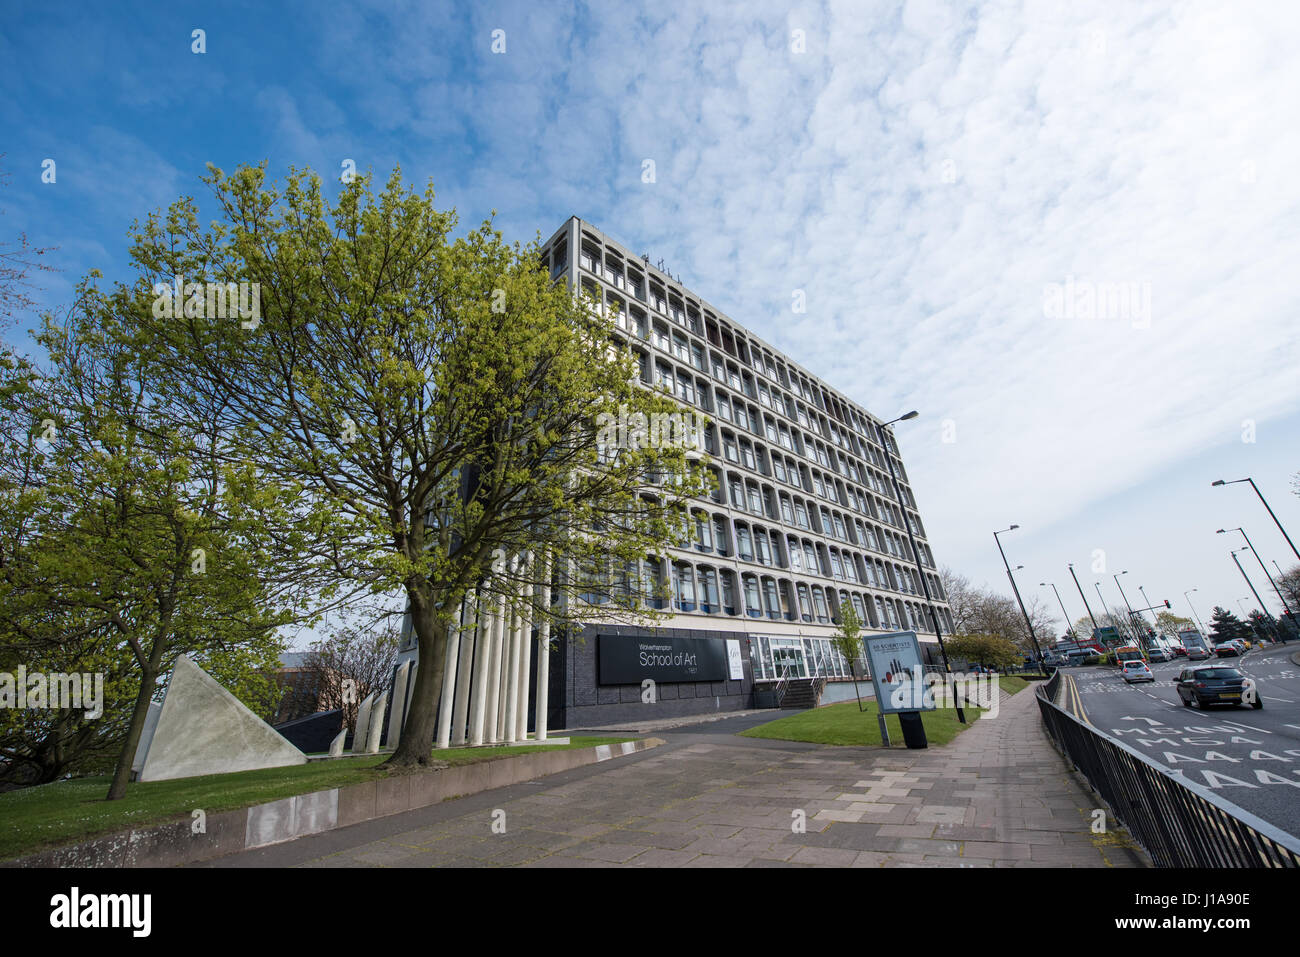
804, 515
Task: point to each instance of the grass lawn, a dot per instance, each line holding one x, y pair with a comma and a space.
67, 811
1011, 684
844, 724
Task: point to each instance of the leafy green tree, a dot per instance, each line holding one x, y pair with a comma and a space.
990, 651
1167, 623
434, 403
129, 542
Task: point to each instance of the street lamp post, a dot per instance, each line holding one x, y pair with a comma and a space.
1038, 652
1131, 625
1113, 622
1150, 607
916, 552
1193, 607
1258, 601
1266, 505
1069, 625
1095, 629
1249, 545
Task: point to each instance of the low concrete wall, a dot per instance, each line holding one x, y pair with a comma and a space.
226, 832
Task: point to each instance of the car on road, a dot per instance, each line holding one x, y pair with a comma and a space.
1227, 649
1179, 651
1134, 671
1160, 654
1215, 684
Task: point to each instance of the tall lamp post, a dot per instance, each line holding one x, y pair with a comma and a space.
1193, 608
1266, 505
1258, 601
1069, 626
1280, 597
1150, 607
1095, 629
1119, 634
916, 552
1131, 625
1038, 652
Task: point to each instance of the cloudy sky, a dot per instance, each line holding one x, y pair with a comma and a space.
1059, 231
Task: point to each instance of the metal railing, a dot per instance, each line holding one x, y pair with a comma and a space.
783, 685
1180, 824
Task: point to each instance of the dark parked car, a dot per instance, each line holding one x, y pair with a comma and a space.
1227, 649
1214, 684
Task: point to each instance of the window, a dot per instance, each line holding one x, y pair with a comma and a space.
703, 532
720, 535
770, 596
819, 603
685, 587
778, 469
708, 591
805, 603
796, 554
744, 545
728, 593
763, 547
753, 603
755, 502
787, 510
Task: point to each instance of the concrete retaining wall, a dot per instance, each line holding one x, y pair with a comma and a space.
227, 832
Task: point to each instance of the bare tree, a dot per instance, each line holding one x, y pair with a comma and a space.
17, 260
353, 662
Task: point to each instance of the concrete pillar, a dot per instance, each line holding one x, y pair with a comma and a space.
448, 685
543, 654
336, 746
376, 724
505, 717
482, 667
525, 647
468, 642
397, 714
362, 733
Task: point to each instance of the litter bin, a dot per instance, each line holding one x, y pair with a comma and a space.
913, 730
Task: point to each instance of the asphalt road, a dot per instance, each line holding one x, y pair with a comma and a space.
1246, 756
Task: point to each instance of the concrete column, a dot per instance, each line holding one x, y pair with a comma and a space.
543, 654
362, 733
376, 724
510, 642
525, 645
493, 683
397, 713
468, 642
482, 669
449, 674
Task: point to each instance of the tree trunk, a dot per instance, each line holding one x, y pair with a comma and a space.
122, 774
416, 744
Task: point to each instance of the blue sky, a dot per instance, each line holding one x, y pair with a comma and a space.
931, 175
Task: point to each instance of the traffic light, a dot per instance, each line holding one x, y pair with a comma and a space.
1167, 605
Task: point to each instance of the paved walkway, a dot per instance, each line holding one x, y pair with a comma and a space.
998, 796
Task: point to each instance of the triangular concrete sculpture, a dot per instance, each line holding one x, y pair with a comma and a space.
203, 729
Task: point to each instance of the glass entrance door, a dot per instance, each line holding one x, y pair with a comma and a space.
789, 654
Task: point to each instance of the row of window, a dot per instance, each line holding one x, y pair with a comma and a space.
713, 534
768, 460
612, 267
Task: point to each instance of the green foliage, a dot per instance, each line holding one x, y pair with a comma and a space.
847, 637
433, 404
124, 543
989, 651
